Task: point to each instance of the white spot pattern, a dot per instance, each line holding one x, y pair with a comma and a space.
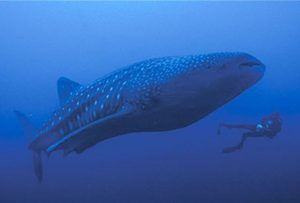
87, 105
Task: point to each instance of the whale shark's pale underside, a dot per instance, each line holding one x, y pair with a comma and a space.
153, 95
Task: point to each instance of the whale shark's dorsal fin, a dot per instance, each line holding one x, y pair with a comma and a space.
65, 89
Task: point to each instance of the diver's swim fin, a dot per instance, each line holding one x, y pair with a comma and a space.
231, 149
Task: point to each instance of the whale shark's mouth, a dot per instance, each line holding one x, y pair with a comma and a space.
255, 66
250, 64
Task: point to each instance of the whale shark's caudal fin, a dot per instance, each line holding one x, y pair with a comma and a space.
38, 165
29, 132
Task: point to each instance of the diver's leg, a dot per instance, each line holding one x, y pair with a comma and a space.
236, 147
239, 126
241, 144
250, 127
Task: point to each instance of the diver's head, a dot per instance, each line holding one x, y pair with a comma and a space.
275, 115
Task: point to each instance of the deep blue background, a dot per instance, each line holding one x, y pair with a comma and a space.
40, 42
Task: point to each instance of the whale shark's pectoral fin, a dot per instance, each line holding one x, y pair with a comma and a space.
65, 89
92, 133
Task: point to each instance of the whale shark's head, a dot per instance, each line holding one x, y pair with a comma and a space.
212, 80
231, 73
223, 76
238, 69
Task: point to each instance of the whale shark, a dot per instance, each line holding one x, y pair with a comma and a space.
158, 94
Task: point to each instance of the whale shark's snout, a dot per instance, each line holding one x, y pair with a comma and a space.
249, 69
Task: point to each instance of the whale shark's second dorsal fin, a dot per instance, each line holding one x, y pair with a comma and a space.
65, 89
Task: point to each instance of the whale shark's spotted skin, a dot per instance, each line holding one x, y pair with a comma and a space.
133, 87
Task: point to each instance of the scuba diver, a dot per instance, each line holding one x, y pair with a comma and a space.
269, 127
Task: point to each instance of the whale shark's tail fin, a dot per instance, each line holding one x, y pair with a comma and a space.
29, 132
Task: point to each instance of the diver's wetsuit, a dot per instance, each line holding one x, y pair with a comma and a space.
269, 126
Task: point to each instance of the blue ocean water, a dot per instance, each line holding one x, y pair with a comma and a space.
83, 41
